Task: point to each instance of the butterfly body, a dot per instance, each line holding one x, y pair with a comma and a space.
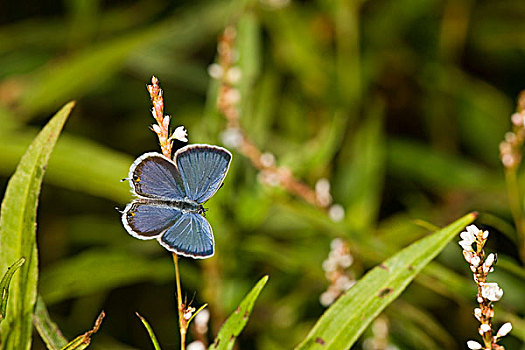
170, 194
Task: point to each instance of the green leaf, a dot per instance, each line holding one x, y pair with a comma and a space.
342, 324
99, 173
438, 170
4, 286
18, 232
80, 275
82, 341
359, 184
238, 319
152, 336
48, 330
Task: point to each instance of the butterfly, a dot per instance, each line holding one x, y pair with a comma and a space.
170, 194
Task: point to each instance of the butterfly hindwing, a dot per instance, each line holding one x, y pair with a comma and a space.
202, 169
146, 220
154, 176
190, 236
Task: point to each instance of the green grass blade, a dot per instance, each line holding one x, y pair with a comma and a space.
361, 182
18, 232
80, 275
4, 286
342, 324
48, 330
152, 336
233, 326
99, 173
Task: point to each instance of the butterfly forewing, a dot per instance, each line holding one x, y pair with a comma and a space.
154, 176
202, 169
145, 220
191, 236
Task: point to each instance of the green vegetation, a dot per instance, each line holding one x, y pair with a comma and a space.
400, 105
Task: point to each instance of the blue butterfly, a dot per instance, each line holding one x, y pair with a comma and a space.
170, 197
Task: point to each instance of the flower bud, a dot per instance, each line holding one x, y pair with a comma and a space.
474, 345
504, 330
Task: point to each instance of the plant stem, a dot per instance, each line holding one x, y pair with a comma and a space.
515, 207
180, 306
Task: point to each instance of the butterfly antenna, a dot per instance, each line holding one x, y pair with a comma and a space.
120, 211
124, 179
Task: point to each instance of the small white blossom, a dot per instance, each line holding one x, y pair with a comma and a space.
508, 160
336, 213
510, 137
215, 71
346, 260
232, 137
201, 321
232, 96
344, 283
468, 256
474, 345
504, 330
484, 328
328, 297
477, 313
472, 231
491, 291
337, 243
269, 178
468, 237
475, 261
267, 159
196, 345
490, 260
180, 134
322, 191
516, 119
156, 128
233, 75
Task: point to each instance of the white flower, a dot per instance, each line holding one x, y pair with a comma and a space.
346, 260
232, 96
267, 159
202, 318
180, 134
201, 321
516, 119
490, 260
232, 137
477, 313
328, 297
491, 291
475, 261
215, 71
156, 128
336, 213
337, 243
233, 75
468, 237
474, 345
504, 330
484, 328
196, 345
468, 256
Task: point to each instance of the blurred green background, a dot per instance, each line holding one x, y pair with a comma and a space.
401, 105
